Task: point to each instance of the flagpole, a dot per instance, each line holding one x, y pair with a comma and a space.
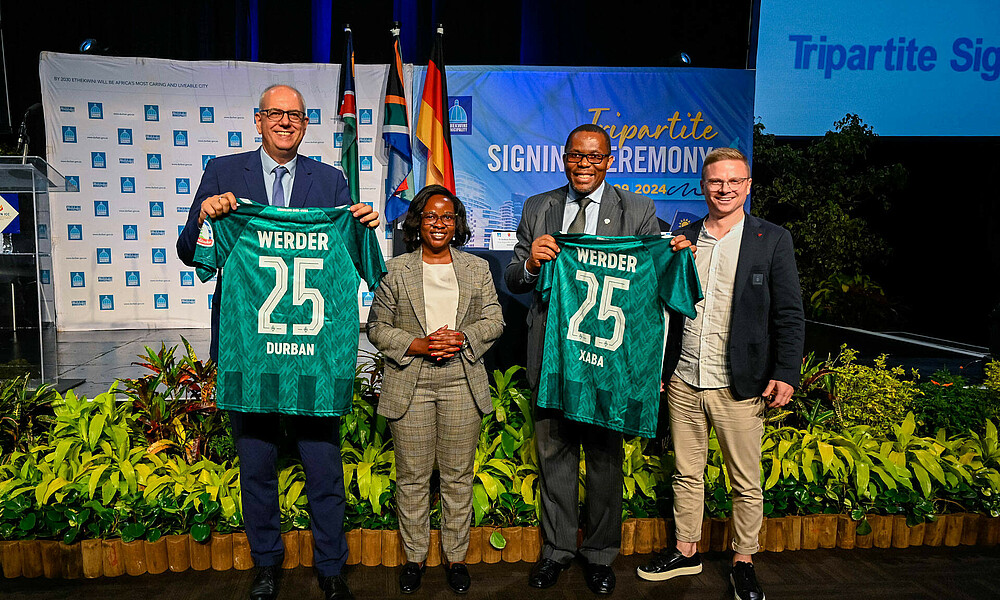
348, 114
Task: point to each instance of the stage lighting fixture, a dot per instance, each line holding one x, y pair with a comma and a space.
681, 59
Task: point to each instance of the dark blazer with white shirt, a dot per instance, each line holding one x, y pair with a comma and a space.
767, 326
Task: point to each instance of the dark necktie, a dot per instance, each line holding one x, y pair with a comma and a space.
278, 191
579, 224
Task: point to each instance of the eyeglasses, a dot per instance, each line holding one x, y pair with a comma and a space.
430, 218
716, 184
275, 114
594, 158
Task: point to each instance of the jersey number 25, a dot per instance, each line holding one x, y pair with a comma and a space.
300, 294
605, 311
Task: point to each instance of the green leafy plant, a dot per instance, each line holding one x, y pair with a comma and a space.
829, 189
946, 401
878, 396
174, 407
24, 413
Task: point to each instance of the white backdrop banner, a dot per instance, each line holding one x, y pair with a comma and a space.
132, 136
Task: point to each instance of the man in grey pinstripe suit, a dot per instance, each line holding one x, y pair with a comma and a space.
586, 205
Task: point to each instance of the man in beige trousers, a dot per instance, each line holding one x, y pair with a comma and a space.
742, 351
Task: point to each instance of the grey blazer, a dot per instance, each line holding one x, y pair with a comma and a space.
621, 213
397, 317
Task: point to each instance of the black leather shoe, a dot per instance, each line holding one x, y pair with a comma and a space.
409, 577
458, 578
265, 584
666, 565
600, 578
335, 588
545, 573
744, 581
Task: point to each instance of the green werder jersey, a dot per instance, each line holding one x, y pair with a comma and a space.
604, 337
288, 328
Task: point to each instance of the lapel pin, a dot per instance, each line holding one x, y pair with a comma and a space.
606, 221
760, 235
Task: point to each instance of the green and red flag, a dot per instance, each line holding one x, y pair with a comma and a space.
349, 115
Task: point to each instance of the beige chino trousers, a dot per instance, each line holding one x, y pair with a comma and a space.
739, 425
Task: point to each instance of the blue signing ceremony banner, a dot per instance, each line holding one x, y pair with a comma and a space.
509, 127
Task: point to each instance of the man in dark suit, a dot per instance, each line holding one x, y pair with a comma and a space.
743, 350
587, 205
276, 174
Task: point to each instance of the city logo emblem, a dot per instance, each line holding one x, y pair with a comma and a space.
314, 115
207, 114
159, 256
131, 278
338, 140
74, 231
46, 276
180, 137
187, 278
183, 185
152, 112
460, 115
69, 134
153, 162
77, 280
104, 256
95, 110
156, 209
206, 237
101, 208
211, 298
317, 158
107, 301
180, 229
204, 160
130, 232
128, 185
124, 136
366, 298
160, 301
366, 163
72, 183
98, 160
365, 116
43, 231
235, 139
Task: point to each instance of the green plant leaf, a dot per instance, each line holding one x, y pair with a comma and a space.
200, 532
497, 540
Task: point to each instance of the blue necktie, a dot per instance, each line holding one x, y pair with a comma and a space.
278, 191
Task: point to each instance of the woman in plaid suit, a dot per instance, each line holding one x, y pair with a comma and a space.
434, 316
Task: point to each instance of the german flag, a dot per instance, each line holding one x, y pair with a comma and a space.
433, 129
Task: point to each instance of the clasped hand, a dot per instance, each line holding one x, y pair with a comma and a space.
440, 344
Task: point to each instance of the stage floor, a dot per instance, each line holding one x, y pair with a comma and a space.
101, 357
909, 574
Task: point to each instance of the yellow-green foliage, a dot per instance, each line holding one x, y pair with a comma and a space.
878, 396
993, 376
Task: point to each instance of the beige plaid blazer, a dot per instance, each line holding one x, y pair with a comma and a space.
397, 317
